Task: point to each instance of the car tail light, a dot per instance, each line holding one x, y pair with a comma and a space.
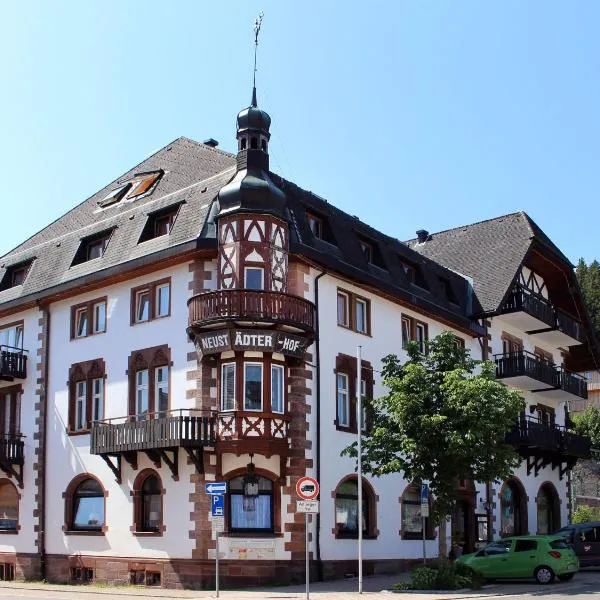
554, 554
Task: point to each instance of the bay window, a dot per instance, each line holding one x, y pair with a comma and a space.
253, 386
277, 389
228, 386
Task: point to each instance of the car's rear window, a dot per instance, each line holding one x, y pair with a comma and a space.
559, 545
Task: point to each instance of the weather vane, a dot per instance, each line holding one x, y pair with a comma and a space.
257, 26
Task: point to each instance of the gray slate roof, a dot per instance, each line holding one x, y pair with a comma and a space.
489, 252
194, 173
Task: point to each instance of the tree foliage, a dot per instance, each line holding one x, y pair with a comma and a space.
444, 419
588, 423
589, 280
586, 514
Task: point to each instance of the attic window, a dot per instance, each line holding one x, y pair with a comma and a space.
115, 196
370, 250
315, 224
447, 291
145, 184
15, 275
409, 271
159, 223
92, 247
367, 250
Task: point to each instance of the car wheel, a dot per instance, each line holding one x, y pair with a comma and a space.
566, 576
544, 575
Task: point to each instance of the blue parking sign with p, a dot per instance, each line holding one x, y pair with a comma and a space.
424, 493
218, 505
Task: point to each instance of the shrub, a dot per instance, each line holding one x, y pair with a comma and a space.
442, 575
586, 514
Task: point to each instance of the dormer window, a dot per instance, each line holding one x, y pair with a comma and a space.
145, 183
315, 224
367, 250
159, 223
115, 196
92, 247
15, 275
447, 291
409, 271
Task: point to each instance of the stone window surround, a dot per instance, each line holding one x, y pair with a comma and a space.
6, 481
372, 500
89, 305
136, 493
351, 301
147, 359
151, 286
83, 371
346, 364
68, 498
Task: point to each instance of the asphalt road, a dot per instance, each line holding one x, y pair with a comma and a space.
585, 586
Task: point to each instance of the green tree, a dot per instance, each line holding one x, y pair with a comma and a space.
588, 423
444, 418
586, 514
589, 280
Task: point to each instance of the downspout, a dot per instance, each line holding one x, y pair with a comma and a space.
318, 417
43, 422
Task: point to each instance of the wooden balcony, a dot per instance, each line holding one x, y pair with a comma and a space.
154, 434
210, 309
526, 371
529, 433
575, 445
570, 386
13, 363
12, 456
528, 311
566, 331
251, 431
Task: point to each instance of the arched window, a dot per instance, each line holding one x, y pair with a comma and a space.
253, 143
251, 513
243, 143
85, 505
513, 506
346, 509
412, 521
263, 145
9, 506
148, 509
548, 509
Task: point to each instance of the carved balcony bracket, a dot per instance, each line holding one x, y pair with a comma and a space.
115, 467
172, 463
197, 458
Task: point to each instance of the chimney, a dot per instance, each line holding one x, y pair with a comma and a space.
422, 235
211, 142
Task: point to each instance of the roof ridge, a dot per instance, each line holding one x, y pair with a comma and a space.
211, 148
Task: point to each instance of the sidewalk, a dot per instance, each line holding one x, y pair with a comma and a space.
345, 589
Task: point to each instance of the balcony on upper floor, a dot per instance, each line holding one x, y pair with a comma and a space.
246, 431
12, 456
243, 307
13, 363
537, 316
155, 434
531, 434
527, 371
576, 445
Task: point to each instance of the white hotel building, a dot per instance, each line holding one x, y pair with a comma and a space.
196, 320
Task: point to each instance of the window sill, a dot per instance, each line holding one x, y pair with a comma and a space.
355, 537
9, 531
416, 536
83, 532
254, 534
147, 533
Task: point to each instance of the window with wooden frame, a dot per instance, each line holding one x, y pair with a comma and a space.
459, 342
544, 355
345, 393
412, 521
511, 344
9, 507
160, 223
366, 250
15, 275
144, 183
10, 411
253, 385
346, 509
315, 224
148, 504
546, 415
151, 301
92, 247
149, 383
409, 271
254, 278
88, 318
115, 196
353, 312
415, 331
371, 252
85, 506
319, 226
87, 382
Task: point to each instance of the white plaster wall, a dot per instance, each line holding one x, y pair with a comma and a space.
71, 453
24, 541
385, 338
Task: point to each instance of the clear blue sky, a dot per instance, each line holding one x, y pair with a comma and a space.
408, 114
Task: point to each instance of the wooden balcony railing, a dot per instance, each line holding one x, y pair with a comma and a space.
251, 305
526, 364
531, 433
522, 299
569, 326
13, 363
576, 445
573, 384
12, 449
238, 425
163, 430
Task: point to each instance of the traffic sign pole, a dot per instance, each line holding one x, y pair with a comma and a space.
307, 565
359, 420
217, 565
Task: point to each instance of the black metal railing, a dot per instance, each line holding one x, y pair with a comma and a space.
13, 362
577, 445
526, 364
12, 449
531, 432
573, 384
569, 326
522, 299
165, 429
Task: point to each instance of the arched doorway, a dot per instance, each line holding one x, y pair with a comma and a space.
464, 522
513, 507
548, 509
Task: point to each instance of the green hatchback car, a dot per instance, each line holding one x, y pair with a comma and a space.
541, 556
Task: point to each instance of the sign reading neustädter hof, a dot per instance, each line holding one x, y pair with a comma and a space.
252, 339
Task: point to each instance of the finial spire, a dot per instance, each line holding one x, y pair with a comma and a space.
257, 26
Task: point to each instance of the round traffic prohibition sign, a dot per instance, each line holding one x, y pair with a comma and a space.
307, 488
